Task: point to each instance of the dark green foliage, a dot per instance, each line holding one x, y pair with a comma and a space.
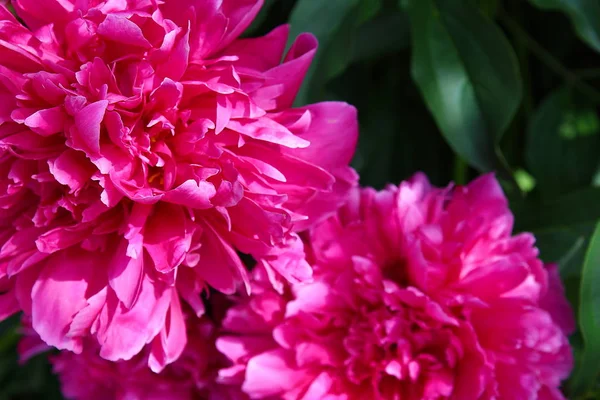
32, 380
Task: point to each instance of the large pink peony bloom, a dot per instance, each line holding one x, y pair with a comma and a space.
419, 293
142, 145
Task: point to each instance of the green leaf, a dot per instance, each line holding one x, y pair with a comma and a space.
557, 212
489, 7
565, 246
367, 9
589, 318
563, 143
325, 20
585, 15
468, 75
398, 136
374, 40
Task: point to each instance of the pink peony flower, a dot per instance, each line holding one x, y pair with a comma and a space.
87, 376
142, 145
419, 293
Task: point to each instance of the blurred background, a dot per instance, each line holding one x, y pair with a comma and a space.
456, 88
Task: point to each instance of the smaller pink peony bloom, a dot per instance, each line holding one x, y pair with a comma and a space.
87, 376
419, 293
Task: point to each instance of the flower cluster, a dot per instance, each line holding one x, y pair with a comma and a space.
146, 150
142, 146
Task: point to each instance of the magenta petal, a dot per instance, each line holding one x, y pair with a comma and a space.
263, 53
61, 238
31, 346
494, 278
240, 14
87, 121
71, 274
127, 331
24, 285
320, 387
47, 122
122, 31
177, 62
219, 265
264, 367
8, 304
549, 393
289, 259
72, 169
84, 319
167, 237
170, 343
239, 348
291, 73
215, 24
167, 95
125, 275
333, 134
191, 194
5, 14
299, 173
207, 23
36, 14
266, 129
190, 290
555, 302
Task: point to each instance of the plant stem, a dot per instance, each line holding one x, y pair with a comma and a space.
460, 170
548, 59
522, 51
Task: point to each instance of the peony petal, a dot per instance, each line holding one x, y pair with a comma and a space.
555, 302
219, 265
127, 331
167, 237
190, 290
333, 134
262, 53
87, 121
170, 343
125, 275
240, 348
291, 73
47, 122
267, 130
289, 260
493, 279
239, 15
271, 374
123, 31
74, 275
215, 24
175, 66
191, 194
62, 238
319, 388
9, 304
82, 322
296, 171
72, 169
36, 15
